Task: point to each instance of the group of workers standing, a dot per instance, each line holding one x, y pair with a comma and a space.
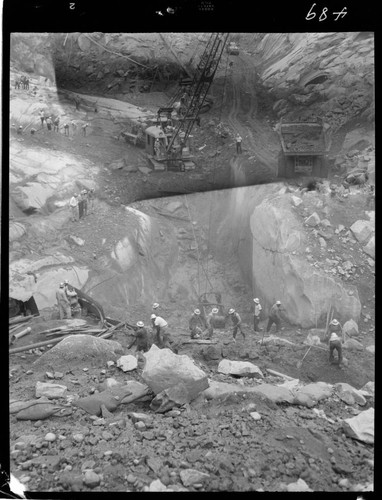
53, 123
81, 203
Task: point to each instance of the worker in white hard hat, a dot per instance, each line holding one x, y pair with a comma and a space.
335, 338
162, 336
74, 206
256, 315
140, 338
236, 323
196, 324
63, 302
211, 322
155, 306
274, 316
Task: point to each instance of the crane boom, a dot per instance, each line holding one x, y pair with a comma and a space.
200, 85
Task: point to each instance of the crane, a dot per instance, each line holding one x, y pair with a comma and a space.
170, 148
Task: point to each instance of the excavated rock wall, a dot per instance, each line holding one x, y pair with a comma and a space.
257, 228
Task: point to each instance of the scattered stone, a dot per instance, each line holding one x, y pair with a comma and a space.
350, 328
190, 477
78, 437
370, 247
313, 220
322, 242
50, 437
352, 345
50, 391
239, 368
110, 364
157, 486
91, 479
127, 363
78, 241
255, 415
369, 387
361, 427
296, 201
362, 230
342, 388
317, 391
371, 348
176, 395
299, 485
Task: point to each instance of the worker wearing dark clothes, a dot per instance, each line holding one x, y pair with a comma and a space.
335, 340
236, 323
140, 338
274, 316
80, 206
196, 324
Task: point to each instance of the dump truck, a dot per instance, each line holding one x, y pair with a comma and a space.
305, 146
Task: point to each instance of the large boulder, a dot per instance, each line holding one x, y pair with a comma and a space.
239, 368
350, 328
50, 391
353, 345
272, 392
362, 230
164, 369
78, 349
280, 268
361, 427
346, 392
315, 392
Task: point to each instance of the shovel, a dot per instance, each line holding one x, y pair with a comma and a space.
299, 363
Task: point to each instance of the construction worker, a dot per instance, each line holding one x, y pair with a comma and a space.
236, 323
140, 338
56, 124
42, 117
334, 337
84, 194
155, 307
274, 316
84, 127
74, 207
238, 143
63, 302
77, 101
80, 206
74, 126
210, 320
157, 147
20, 130
72, 296
196, 324
256, 315
91, 200
49, 123
66, 128
17, 84
160, 328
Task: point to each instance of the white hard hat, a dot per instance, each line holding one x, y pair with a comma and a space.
197, 311
140, 323
155, 305
61, 285
66, 282
278, 303
215, 310
231, 311
75, 195
334, 322
153, 316
256, 300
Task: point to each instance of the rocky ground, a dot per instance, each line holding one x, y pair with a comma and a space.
195, 447
79, 452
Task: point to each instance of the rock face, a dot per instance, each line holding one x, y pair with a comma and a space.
361, 427
164, 369
241, 368
79, 348
281, 270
